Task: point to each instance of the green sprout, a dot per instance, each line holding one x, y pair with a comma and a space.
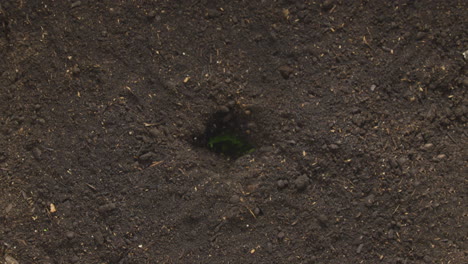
230, 145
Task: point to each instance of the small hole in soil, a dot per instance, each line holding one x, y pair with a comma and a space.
227, 134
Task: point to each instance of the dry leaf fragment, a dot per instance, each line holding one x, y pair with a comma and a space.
52, 208
286, 13
155, 163
149, 124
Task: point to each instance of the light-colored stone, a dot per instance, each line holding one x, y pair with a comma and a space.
10, 260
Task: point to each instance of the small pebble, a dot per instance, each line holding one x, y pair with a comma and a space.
420, 35
147, 156
327, 5
107, 207
401, 161
75, 259
369, 200
151, 14
427, 259
98, 238
282, 184
70, 235
323, 220
427, 146
393, 163
37, 153
257, 211
359, 248
75, 70
251, 124
285, 71
75, 4
8, 208
334, 147
212, 13
156, 133
234, 199
10, 260
223, 109
281, 235
301, 182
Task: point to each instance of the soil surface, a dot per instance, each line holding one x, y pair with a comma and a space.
356, 110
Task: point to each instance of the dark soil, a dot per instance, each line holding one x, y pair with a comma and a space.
356, 110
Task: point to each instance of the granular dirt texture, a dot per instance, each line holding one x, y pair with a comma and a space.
356, 111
